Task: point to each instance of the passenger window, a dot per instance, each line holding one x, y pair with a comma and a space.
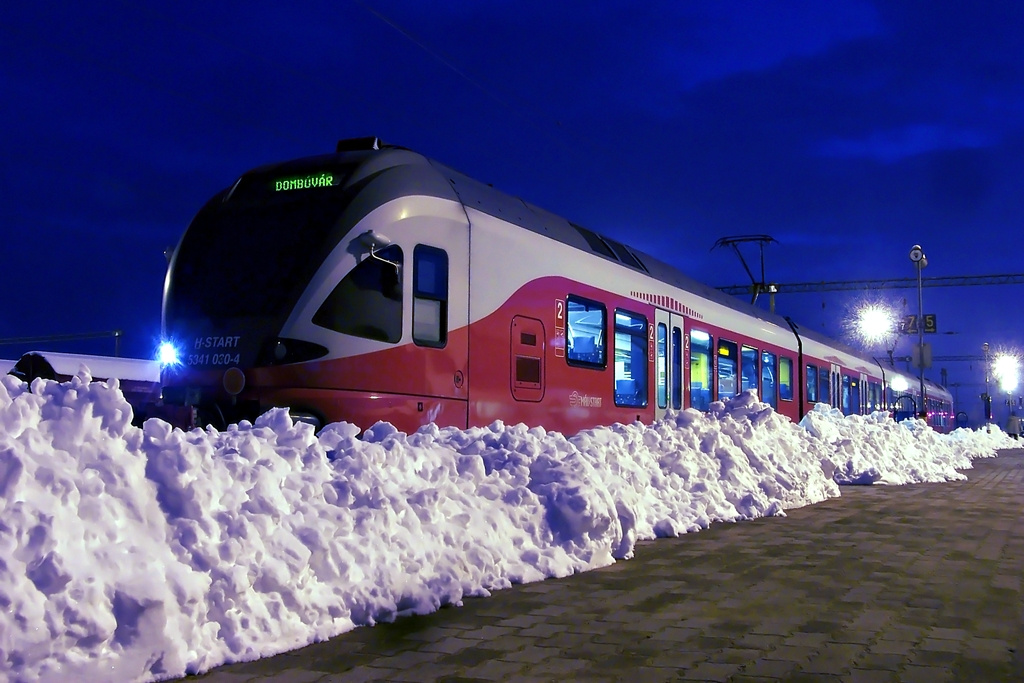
823, 386
727, 357
585, 325
748, 368
662, 365
786, 379
812, 384
874, 397
430, 296
630, 359
846, 395
368, 301
769, 385
700, 370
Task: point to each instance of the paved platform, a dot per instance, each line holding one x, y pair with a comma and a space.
906, 583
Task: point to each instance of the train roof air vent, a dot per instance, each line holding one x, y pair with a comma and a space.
624, 254
359, 144
609, 248
597, 244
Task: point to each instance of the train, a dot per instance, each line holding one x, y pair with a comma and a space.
377, 284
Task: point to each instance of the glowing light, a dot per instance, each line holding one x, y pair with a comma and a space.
167, 354
1006, 368
899, 383
875, 323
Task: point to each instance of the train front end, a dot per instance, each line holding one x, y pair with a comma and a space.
285, 284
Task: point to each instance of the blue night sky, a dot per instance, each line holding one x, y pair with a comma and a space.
848, 131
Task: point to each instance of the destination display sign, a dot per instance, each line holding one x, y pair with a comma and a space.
306, 182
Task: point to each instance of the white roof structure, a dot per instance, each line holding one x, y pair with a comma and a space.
100, 367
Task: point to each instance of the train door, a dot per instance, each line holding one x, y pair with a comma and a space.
836, 382
668, 362
863, 392
440, 318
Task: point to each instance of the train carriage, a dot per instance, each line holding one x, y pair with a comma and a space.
377, 284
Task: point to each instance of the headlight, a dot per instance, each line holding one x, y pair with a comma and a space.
167, 354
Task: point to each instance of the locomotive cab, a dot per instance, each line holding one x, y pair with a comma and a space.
287, 283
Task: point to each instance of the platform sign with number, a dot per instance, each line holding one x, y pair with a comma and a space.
908, 325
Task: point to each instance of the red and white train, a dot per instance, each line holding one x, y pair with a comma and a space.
377, 284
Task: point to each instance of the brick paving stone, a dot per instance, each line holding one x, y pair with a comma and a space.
977, 645
852, 636
809, 640
470, 657
647, 674
407, 660
568, 641
494, 670
734, 655
769, 668
436, 673
792, 653
948, 633
363, 674
940, 645
449, 645
925, 674
678, 659
891, 647
529, 654
541, 631
933, 658
974, 670
710, 671
558, 666
757, 641
522, 621
871, 676
773, 627
881, 661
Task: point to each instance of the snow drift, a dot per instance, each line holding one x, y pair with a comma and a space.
139, 554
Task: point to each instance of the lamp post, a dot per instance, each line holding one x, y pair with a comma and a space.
920, 261
987, 398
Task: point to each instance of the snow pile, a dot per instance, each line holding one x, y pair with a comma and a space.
132, 554
875, 449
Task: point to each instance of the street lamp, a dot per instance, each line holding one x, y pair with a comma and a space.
920, 261
1006, 368
876, 323
987, 398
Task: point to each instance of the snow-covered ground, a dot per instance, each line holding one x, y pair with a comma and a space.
131, 554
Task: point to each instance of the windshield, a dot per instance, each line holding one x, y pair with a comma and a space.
253, 254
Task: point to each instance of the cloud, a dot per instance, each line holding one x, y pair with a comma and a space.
895, 144
726, 39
